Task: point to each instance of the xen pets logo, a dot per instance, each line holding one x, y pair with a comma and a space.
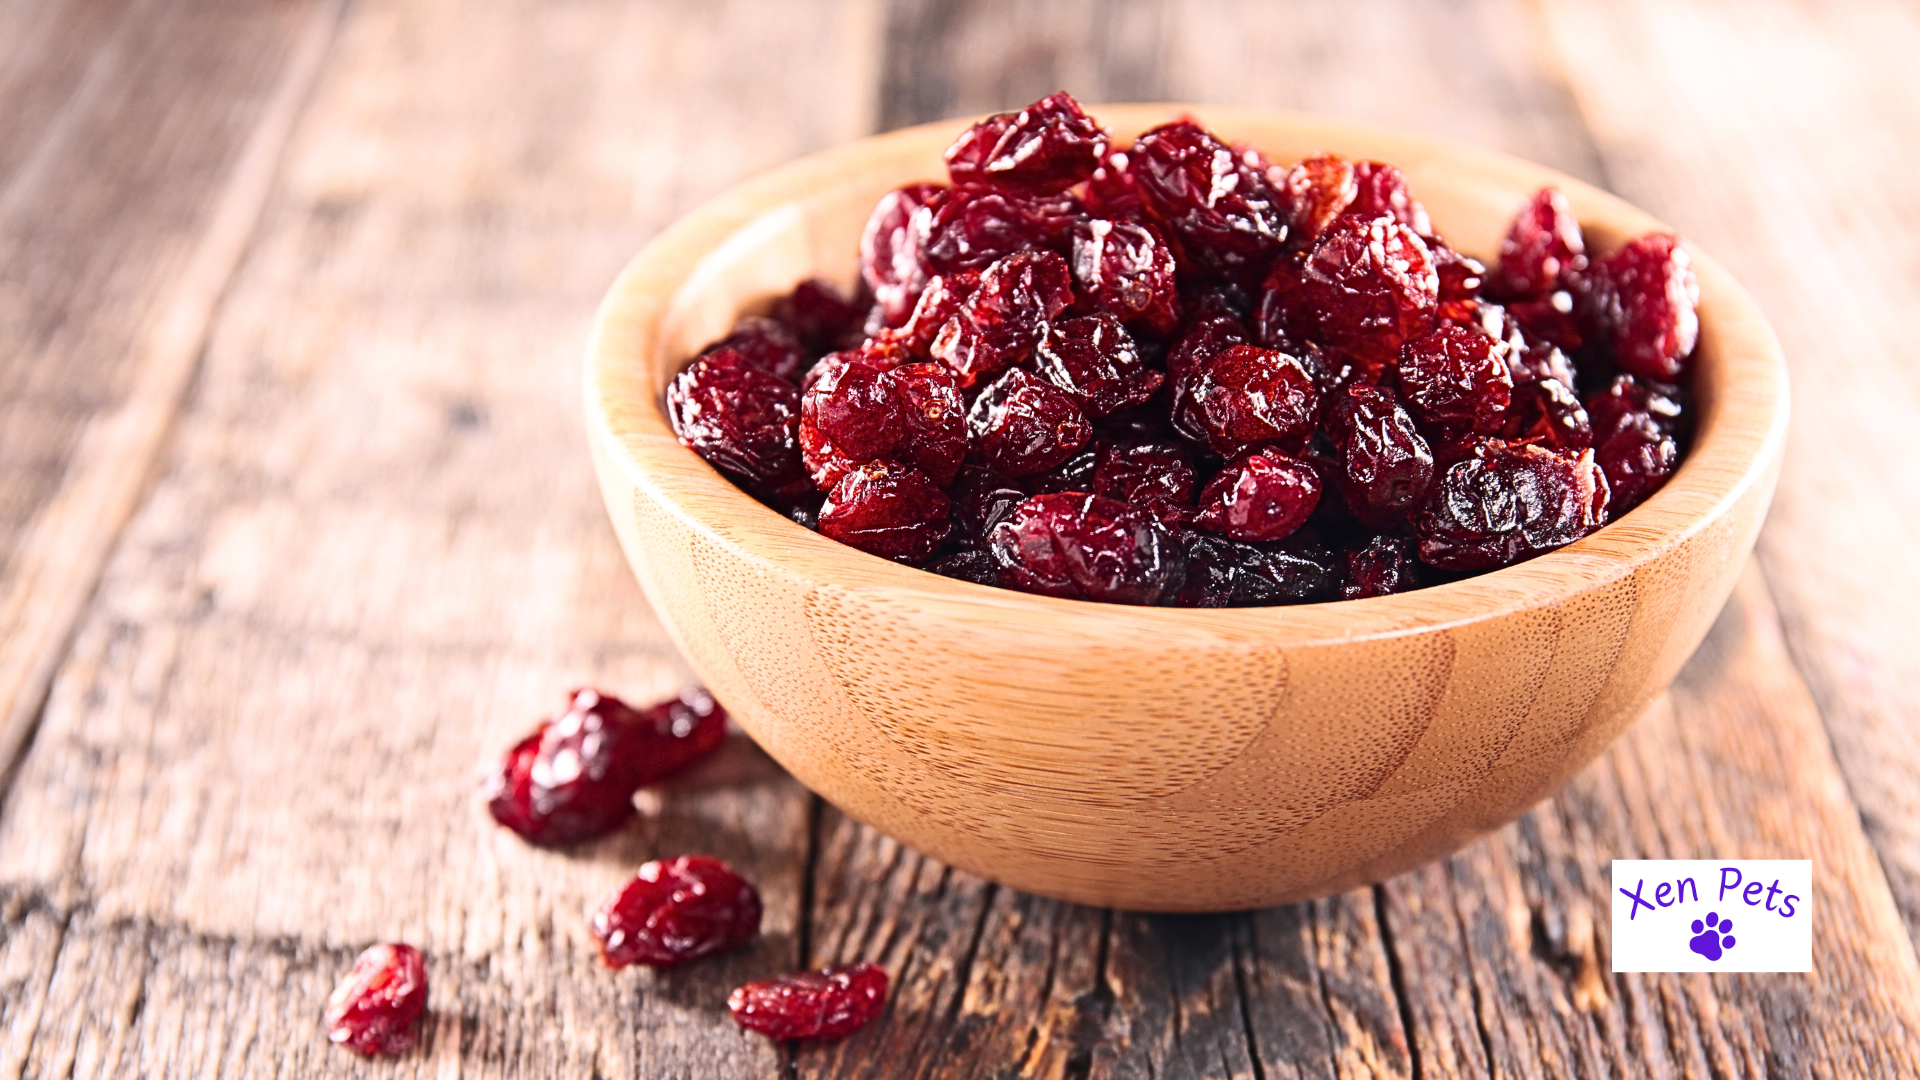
1679, 915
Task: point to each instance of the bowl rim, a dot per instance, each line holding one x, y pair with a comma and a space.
1741, 380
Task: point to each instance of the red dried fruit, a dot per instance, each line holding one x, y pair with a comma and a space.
970, 564
1153, 475
1264, 495
1460, 279
1243, 397
677, 910
1024, 425
944, 297
1500, 503
1634, 439
1048, 146
1456, 382
767, 344
575, 776
1085, 547
1094, 359
1640, 302
887, 509
821, 317
743, 420
1382, 190
831, 1003
1384, 465
1222, 572
1542, 252
377, 1007
1370, 286
1547, 412
1384, 565
1006, 317
1111, 193
1217, 204
1551, 321
854, 413
1126, 270
1208, 335
971, 226
981, 497
891, 261
1073, 474
1319, 189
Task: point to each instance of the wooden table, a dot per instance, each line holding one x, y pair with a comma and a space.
297, 532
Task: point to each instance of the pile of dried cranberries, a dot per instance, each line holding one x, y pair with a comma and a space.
1181, 374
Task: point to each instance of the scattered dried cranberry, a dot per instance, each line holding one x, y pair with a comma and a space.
1385, 466
1546, 411
677, 910
855, 413
891, 261
1370, 287
1640, 301
1244, 396
1006, 316
1023, 425
942, 299
1126, 270
887, 509
1223, 572
1220, 207
575, 776
1634, 439
981, 497
1319, 189
831, 1003
1500, 503
1263, 495
1085, 547
1383, 566
743, 420
1094, 359
1046, 147
376, 1008
1460, 279
1456, 382
1542, 252
973, 226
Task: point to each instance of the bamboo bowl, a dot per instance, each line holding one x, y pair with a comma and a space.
1150, 758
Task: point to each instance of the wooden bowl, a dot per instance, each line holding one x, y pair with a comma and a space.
1151, 758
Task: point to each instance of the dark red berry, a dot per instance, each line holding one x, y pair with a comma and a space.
376, 1008
1640, 302
1319, 189
944, 297
767, 344
1244, 397
1085, 547
1094, 359
1542, 252
972, 226
1382, 190
1048, 146
1384, 465
887, 509
1154, 475
831, 1003
1634, 439
1263, 495
1111, 193
891, 261
677, 910
821, 317
1460, 279
855, 413
1006, 317
1073, 474
1553, 320
1207, 335
1499, 503
1126, 270
970, 564
981, 497
1370, 286
575, 776
1024, 425
1456, 382
1384, 565
1223, 572
743, 420
1215, 203
1546, 412
1530, 358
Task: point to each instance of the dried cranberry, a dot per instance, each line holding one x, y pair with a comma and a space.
1371, 286
831, 1003
1542, 251
377, 1007
1216, 204
972, 226
1006, 317
1244, 396
1263, 495
1456, 382
1382, 190
575, 776
767, 344
1385, 466
1156, 475
1460, 279
1085, 547
1384, 565
1499, 503
1023, 425
743, 420
1319, 189
1640, 301
1126, 269
970, 564
981, 497
891, 261
887, 509
1094, 359
821, 317
1530, 358
1223, 572
1634, 439
1111, 192
944, 297
1048, 146
1208, 335
1073, 474
855, 413
1553, 320
675, 911
1546, 411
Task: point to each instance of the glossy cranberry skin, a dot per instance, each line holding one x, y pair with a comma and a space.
1384, 464
767, 344
1371, 287
1634, 440
944, 298
1023, 425
1384, 565
1542, 251
821, 317
831, 1003
1499, 503
1085, 547
742, 420
1223, 572
1319, 189
891, 260
1552, 320
1156, 475
1111, 192
376, 1008
1006, 317
1382, 190
1461, 277
1047, 147
1456, 382
855, 413
1640, 301
1215, 202
981, 497
1548, 412
887, 509
972, 226
1126, 269
677, 910
574, 777
1263, 495
1245, 396
1094, 359
967, 564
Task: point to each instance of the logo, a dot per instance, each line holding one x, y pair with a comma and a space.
1679, 915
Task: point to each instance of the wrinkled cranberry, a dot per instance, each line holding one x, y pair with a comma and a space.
1547, 412
944, 297
821, 317
1126, 270
981, 497
677, 910
1111, 193
1006, 317
1216, 204
1073, 474
831, 1003
1384, 465
1048, 146
1634, 439
1263, 495
1319, 189
891, 261
1244, 396
1460, 279
376, 1008
1542, 252
887, 509
1085, 547
767, 344
1456, 382
1640, 301
855, 414
971, 227
1094, 359
1499, 503
1383, 190
1371, 286
1384, 565
743, 420
1553, 320
1530, 358
575, 776
1156, 475
1223, 572
1208, 335
970, 564
1023, 425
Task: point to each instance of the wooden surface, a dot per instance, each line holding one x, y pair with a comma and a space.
297, 530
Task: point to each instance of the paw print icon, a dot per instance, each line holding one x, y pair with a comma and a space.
1711, 937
